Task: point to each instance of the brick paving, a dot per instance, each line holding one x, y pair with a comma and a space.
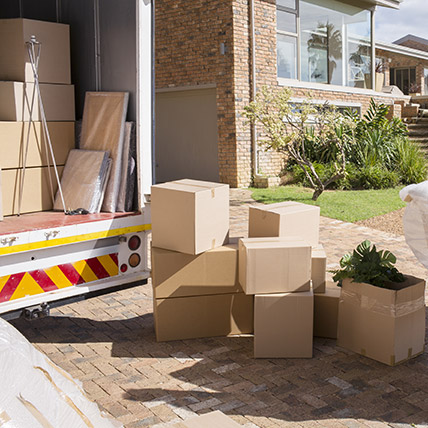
108, 343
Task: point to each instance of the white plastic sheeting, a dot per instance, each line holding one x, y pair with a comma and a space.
415, 220
36, 393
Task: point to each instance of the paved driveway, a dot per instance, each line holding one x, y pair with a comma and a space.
109, 344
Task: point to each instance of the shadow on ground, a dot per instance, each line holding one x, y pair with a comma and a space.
220, 373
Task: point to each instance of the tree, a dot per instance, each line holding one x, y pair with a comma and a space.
291, 129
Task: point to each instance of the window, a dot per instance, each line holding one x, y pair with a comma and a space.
324, 41
286, 19
425, 92
405, 79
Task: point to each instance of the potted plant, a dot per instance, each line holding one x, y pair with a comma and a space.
381, 311
414, 90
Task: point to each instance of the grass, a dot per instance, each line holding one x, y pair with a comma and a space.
345, 205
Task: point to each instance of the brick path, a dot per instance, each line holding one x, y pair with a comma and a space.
108, 343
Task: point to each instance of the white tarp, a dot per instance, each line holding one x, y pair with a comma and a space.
415, 220
36, 393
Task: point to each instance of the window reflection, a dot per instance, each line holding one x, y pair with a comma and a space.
334, 42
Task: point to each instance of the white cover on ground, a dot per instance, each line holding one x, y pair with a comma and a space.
36, 393
415, 220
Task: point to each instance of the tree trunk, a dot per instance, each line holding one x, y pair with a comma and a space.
317, 193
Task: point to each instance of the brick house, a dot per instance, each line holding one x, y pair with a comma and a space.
406, 63
210, 57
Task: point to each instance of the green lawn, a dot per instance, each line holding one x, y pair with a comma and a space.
346, 205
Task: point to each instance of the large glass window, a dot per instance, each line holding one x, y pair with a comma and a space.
332, 41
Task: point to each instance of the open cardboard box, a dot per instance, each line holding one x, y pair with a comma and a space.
382, 324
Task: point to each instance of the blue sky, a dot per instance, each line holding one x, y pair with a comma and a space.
412, 18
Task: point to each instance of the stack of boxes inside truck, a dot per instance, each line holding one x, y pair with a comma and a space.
19, 103
205, 284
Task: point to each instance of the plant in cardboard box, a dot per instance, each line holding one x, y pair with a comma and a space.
366, 264
381, 311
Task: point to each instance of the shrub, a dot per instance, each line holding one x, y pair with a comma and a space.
375, 177
348, 182
410, 161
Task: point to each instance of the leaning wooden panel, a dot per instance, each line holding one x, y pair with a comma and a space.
103, 128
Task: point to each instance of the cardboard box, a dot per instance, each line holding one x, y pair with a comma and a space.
13, 143
215, 419
283, 325
274, 265
326, 309
54, 63
36, 191
290, 219
16, 100
177, 274
318, 269
203, 316
190, 216
385, 325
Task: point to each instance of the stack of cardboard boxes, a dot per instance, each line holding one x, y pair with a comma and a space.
287, 274
196, 292
205, 284
18, 95
204, 287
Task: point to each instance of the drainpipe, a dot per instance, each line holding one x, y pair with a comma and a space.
373, 46
253, 89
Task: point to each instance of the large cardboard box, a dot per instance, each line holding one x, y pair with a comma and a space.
283, 325
215, 419
385, 325
36, 190
318, 269
274, 265
16, 99
190, 216
13, 143
291, 219
177, 274
54, 64
203, 316
326, 310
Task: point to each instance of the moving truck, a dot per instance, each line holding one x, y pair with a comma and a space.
49, 258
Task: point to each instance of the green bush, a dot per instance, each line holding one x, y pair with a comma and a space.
379, 155
411, 163
327, 170
375, 177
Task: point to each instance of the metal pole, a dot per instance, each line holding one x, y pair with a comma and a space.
255, 163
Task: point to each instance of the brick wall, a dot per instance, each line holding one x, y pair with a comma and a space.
397, 61
187, 53
188, 38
